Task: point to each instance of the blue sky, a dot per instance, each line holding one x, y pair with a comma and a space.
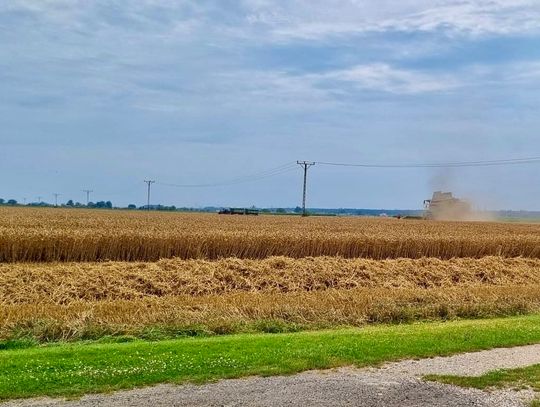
104, 94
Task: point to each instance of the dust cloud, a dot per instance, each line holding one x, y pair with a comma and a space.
443, 205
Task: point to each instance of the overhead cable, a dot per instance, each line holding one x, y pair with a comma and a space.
513, 161
282, 169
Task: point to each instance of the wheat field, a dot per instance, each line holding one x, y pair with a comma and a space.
63, 283
47, 235
84, 274
259, 312
69, 301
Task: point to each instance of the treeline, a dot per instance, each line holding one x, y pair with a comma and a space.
68, 204
91, 205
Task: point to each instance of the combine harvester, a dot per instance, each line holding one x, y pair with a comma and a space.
444, 206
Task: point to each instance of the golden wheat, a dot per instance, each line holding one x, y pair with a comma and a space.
39, 235
229, 313
52, 301
63, 283
72, 274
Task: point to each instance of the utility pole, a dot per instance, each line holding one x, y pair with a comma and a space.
305, 165
24, 200
56, 199
38, 199
149, 182
88, 191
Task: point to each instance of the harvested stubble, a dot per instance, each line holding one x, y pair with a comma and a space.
39, 235
174, 296
63, 283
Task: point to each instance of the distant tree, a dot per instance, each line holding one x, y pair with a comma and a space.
102, 205
297, 210
70, 203
281, 210
2, 201
91, 204
132, 206
12, 202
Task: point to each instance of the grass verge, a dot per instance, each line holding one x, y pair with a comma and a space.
75, 369
513, 378
517, 378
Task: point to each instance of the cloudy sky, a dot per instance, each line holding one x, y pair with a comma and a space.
103, 94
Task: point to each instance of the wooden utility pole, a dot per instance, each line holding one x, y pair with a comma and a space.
149, 182
305, 165
87, 191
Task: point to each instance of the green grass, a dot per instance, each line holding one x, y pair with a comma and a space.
513, 378
22, 343
74, 369
516, 378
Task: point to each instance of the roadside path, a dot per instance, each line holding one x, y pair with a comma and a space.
395, 384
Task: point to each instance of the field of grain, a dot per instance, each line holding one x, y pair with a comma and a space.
83, 274
63, 283
165, 317
46, 235
171, 297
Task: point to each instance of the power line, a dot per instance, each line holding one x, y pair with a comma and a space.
282, 169
490, 163
248, 178
485, 163
124, 191
290, 166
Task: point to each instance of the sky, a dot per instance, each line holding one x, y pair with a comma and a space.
104, 94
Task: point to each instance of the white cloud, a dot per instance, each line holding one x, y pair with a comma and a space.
525, 73
385, 78
329, 86
283, 20
158, 54
316, 20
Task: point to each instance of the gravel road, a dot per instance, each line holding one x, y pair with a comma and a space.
395, 384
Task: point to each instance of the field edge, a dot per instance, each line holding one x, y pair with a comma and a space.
77, 369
